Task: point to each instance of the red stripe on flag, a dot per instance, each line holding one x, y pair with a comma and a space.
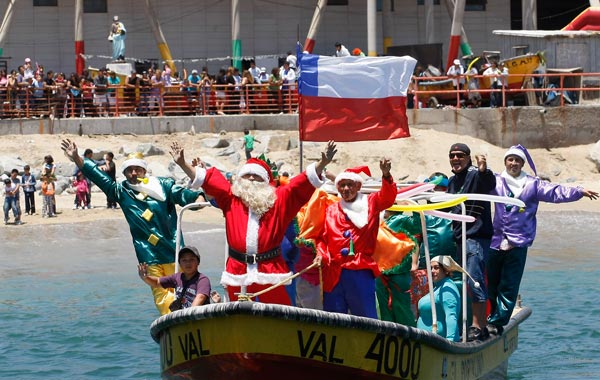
343, 120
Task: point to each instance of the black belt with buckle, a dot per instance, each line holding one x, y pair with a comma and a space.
252, 259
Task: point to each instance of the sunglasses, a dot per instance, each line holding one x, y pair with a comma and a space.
457, 155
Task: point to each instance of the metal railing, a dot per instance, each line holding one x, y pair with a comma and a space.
60, 102
434, 91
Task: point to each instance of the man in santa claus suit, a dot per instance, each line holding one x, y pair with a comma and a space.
348, 241
256, 217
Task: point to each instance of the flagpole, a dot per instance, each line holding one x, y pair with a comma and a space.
301, 155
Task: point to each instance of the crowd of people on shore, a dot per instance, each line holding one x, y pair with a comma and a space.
493, 76
25, 185
30, 91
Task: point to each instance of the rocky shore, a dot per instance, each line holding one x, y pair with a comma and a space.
413, 159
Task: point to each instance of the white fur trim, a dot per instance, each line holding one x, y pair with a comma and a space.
252, 233
357, 211
199, 178
515, 152
254, 277
515, 184
348, 175
255, 169
134, 162
152, 189
313, 178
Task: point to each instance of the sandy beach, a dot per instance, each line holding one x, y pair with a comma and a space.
412, 158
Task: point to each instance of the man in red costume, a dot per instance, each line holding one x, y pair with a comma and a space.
348, 242
256, 217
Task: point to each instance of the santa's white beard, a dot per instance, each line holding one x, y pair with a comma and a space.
257, 196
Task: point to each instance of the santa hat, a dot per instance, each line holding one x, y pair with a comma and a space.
135, 159
257, 167
452, 266
353, 174
521, 152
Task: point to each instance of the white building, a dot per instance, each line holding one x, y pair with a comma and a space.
198, 32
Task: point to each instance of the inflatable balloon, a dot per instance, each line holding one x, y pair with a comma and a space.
429, 206
480, 197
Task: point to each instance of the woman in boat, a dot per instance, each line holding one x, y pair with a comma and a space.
192, 288
447, 300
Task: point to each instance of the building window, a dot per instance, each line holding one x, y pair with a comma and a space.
337, 2
471, 5
45, 3
95, 6
475, 5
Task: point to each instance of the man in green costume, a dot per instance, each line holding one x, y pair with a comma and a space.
148, 204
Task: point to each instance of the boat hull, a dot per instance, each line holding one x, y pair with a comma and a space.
522, 64
257, 341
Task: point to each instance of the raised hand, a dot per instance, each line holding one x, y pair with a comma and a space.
481, 162
198, 162
329, 153
70, 149
177, 153
326, 157
385, 165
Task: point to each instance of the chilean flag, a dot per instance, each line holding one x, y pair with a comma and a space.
353, 98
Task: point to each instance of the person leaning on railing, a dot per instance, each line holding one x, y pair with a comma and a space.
275, 83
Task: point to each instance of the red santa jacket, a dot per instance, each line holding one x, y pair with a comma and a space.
248, 234
339, 229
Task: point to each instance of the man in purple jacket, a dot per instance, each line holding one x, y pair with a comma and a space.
514, 230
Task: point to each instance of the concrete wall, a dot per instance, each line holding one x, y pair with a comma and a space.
534, 127
199, 29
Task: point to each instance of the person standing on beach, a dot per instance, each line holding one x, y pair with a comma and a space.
111, 169
48, 190
515, 228
478, 179
88, 153
14, 177
10, 190
248, 145
28, 184
148, 204
256, 218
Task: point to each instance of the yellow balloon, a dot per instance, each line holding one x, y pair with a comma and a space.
428, 206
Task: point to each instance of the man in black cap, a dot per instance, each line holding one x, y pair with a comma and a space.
478, 179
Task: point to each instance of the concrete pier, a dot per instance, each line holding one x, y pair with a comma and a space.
534, 127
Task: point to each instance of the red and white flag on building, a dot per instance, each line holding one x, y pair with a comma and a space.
353, 98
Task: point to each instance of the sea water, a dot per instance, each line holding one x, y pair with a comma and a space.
72, 306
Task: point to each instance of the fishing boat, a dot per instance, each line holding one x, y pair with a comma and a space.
521, 64
249, 340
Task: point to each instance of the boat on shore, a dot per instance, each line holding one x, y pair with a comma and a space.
248, 340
